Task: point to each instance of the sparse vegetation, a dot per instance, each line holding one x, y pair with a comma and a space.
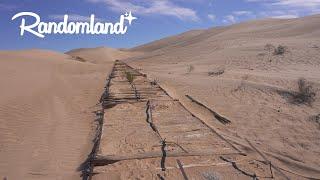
216, 72
77, 58
316, 119
269, 47
272, 50
190, 69
154, 82
305, 94
280, 50
210, 176
130, 77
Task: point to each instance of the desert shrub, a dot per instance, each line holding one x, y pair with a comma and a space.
272, 50
77, 58
280, 50
269, 47
316, 119
190, 68
216, 72
130, 77
154, 82
304, 95
210, 176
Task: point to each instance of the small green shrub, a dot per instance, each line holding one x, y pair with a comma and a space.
130, 77
190, 69
77, 58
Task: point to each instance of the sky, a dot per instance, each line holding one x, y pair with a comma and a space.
156, 19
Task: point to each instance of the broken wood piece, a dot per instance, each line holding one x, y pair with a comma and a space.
183, 172
220, 118
101, 160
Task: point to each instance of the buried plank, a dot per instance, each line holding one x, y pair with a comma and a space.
101, 160
183, 172
220, 118
171, 132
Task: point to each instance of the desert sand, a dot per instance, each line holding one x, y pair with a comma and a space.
229, 70
47, 124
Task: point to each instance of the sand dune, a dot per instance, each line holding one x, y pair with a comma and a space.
307, 27
166, 42
100, 55
245, 82
46, 117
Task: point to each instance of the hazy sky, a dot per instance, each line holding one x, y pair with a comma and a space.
156, 18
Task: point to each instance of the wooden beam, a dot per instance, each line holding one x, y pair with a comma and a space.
220, 118
102, 160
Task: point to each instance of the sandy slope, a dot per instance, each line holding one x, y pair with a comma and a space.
100, 55
46, 119
247, 91
166, 42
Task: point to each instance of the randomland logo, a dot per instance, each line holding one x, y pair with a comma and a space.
39, 28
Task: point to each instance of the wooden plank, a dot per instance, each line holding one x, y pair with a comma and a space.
220, 118
101, 160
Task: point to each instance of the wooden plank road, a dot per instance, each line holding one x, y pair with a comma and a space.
144, 127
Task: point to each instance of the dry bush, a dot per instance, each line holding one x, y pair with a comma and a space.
270, 48
216, 72
316, 119
130, 77
305, 94
280, 50
154, 82
77, 58
190, 69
